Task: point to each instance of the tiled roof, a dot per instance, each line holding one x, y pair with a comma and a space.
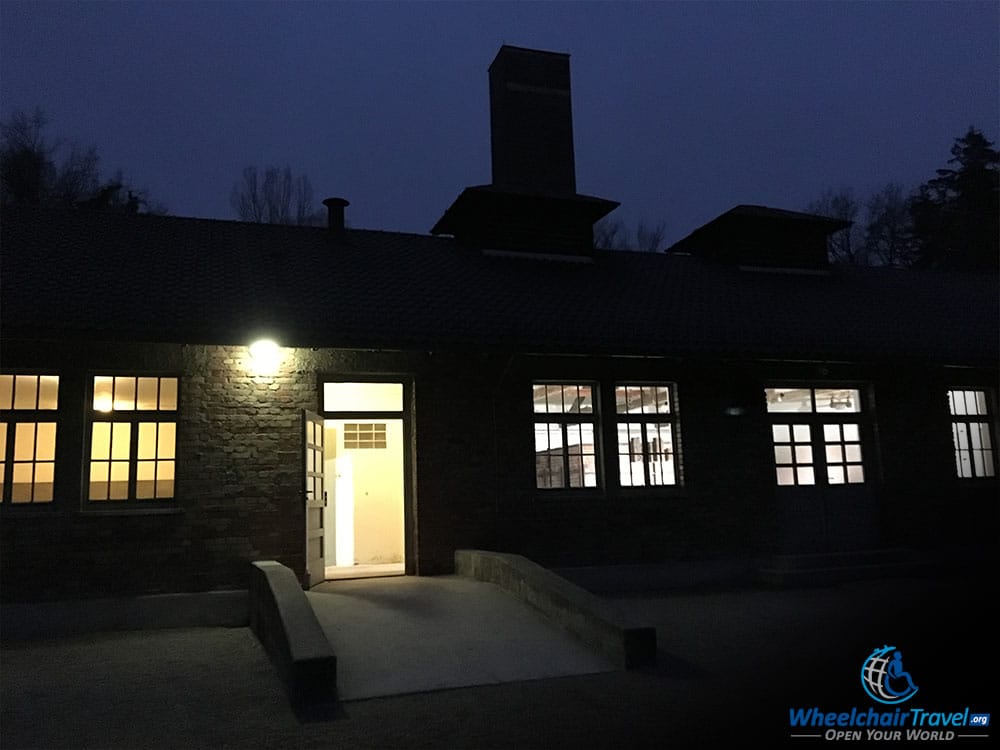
169, 279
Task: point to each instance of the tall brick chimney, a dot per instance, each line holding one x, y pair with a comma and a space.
531, 122
532, 204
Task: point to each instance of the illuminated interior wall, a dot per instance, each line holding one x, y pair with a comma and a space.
364, 513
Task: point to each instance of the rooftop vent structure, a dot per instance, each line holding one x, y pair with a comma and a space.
531, 204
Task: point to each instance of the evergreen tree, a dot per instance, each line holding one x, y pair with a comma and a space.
956, 214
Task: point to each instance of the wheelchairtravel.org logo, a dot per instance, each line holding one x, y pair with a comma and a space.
885, 680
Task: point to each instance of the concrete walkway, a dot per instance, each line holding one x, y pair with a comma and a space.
414, 634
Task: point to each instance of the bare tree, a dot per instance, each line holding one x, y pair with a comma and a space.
30, 173
846, 246
612, 234
277, 197
889, 230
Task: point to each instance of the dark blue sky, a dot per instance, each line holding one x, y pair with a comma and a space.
681, 109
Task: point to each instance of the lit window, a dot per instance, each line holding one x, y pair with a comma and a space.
565, 429
28, 438
816, 444
975, 456
133, 438
364, 435
646, 432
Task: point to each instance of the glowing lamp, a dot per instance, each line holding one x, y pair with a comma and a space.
265, 357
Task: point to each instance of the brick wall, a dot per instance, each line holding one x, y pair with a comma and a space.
471, 477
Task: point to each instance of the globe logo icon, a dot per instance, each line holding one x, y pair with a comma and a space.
883, 676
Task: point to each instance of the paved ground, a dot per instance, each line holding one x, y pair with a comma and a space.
411, 634
731, 665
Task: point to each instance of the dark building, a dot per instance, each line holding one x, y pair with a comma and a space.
499, 383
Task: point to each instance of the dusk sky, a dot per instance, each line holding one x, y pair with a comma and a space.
681, 109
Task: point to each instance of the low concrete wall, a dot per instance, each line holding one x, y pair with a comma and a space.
19, 621
284, 622
590, 618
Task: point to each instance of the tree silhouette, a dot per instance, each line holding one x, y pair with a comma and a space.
846, 246
32, 173
888, 229
955, 215
612, 234
277, 197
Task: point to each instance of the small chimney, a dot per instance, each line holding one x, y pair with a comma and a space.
335, 215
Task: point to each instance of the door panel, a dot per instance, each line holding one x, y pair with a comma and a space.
315, 497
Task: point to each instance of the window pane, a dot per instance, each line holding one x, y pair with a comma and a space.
837, 399
100, 441
165, 479
621, 402
589, 471
6, 391
788, 399
168, 394
361, 397
3, 442
121, 435
540, 398
806, 475
48, 392
984, 436
801, 433
831, 433
44, 486
146, 447
835, 474
855, 474
957, 399
167, 439
146, 398
145, 480
45, 442
781, 433
103, 392
834, 454
851, 433
975, 436
853, 452
662, 394
124, 394
20, 491
25, 391
981, 402
782, 454
970, 403
99, 480
786, 475
803, 454
24, 441
961, 433
977, 462
584, 400
119, 480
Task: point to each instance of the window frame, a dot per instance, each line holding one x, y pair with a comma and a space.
819, 445
670, 417
988, 420
133, 417
11, 418
564, 419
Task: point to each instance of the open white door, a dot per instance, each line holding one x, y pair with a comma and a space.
315, 498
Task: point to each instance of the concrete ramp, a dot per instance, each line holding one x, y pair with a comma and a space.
415, 634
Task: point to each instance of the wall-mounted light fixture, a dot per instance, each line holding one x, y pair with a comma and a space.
265, 357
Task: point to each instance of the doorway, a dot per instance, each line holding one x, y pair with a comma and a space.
363, 466
364, 469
